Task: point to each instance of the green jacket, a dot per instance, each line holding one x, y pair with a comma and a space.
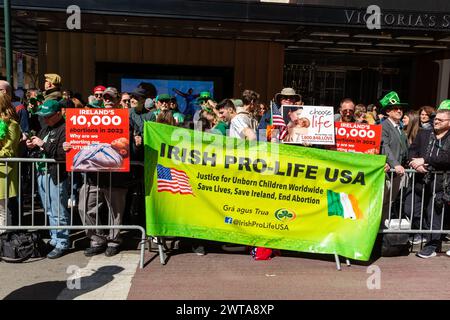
220, 128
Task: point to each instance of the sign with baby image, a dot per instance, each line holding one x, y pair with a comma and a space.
97, 140
308, 125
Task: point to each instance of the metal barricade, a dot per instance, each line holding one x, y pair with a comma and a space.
33, 215
415, 203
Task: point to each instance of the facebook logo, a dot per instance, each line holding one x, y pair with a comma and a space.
229, 220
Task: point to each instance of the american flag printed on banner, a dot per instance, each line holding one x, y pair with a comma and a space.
278, 122
172, 180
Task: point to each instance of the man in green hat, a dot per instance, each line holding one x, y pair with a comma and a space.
394, 145
162, 103
52, 179
206, 102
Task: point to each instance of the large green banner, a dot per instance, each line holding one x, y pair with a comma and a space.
207, 186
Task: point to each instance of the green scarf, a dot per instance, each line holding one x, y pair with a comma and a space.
3, 129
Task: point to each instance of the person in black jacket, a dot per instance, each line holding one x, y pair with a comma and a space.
52, 178
104, 190
429, 152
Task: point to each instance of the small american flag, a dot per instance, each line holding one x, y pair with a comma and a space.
172, 180
278, 122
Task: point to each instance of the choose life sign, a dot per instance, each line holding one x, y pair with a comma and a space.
207, 186
308, 125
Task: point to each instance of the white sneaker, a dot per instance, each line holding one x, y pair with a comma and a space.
71, 203
448, 253
417, 239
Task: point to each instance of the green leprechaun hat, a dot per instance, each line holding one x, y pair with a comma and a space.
445, 105
391, 100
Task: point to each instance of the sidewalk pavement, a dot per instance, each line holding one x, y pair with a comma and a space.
292, 276
225, 276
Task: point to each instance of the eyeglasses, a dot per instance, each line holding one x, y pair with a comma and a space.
126, 100
348, 111
98, 95
440, 120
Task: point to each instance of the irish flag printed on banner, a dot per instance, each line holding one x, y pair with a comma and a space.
343, 205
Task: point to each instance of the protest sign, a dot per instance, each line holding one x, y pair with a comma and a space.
358, 137
99, 140
207, 186
308, 125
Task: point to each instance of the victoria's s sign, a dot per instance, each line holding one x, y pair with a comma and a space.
375, 18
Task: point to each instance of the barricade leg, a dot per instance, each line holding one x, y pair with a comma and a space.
162, 254
338, 262
143, 241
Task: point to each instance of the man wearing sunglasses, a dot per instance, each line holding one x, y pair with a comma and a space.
347, 110
98, 96
111, 98
430, 151
162, 103
125, 101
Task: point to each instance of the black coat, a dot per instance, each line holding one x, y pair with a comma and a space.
438, 158
52, 149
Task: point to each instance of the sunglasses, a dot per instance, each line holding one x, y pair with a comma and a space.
108, 97
126, 100
98, 95
288, 98
164, 101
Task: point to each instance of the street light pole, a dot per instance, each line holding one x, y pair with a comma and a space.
8, 49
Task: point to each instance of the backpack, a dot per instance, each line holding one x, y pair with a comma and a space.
19, 246
395, 244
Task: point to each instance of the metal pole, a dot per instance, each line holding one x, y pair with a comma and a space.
338, 262
8, 48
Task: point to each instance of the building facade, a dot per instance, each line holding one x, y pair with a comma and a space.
326, 50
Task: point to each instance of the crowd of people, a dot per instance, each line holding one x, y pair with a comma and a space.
35, 127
